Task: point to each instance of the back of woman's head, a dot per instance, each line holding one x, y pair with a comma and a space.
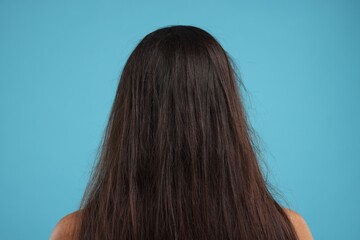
177, 159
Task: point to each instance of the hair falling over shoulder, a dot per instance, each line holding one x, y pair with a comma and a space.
177, 159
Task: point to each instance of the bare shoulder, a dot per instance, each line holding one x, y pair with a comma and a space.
300, 225
65, 227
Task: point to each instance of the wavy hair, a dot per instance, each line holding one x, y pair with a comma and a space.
178, 159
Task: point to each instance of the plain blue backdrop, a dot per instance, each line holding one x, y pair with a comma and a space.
60, 64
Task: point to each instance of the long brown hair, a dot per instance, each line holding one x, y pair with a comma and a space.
177, 159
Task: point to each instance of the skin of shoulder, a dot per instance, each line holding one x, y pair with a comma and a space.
65, 226
301, 227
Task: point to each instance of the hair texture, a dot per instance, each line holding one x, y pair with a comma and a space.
177, 157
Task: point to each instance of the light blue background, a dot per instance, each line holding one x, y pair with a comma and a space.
60, 63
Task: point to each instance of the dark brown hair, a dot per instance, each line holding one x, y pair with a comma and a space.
177, 159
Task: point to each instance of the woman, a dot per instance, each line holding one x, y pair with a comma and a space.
178, 160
